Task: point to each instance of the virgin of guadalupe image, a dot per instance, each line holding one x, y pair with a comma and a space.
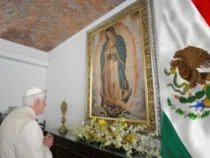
115, 87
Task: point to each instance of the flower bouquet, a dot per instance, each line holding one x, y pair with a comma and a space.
118, 136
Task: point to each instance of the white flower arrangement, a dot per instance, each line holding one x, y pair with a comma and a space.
119, 136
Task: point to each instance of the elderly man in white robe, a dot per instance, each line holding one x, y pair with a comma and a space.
20, 134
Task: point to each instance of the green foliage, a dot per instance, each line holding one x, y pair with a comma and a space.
169, 102
191, 99
190, 115
207, 90
182, 100
205, 114
199, 94
179, 111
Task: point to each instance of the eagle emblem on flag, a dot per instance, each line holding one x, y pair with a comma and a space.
190, 85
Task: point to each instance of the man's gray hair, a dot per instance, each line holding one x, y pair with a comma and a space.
32, 94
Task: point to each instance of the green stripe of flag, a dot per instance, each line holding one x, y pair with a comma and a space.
171, 145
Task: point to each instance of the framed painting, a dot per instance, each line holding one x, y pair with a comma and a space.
121, 64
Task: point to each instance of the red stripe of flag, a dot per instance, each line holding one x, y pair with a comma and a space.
203, 7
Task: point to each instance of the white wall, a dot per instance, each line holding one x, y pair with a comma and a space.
20, 68
66, 77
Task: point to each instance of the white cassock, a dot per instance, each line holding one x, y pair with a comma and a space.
21, 136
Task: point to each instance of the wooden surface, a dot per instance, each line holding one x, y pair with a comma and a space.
67, 147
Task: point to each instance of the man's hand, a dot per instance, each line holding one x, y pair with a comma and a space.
48, 140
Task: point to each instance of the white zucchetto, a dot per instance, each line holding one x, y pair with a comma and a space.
33, 90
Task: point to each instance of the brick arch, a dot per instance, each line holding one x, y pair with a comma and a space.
44, 24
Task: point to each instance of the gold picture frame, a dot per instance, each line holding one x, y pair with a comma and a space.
122, 67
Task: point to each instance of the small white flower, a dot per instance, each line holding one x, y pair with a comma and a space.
113, 129
119, 138
128, 153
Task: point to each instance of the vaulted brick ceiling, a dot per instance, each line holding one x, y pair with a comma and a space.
44, 24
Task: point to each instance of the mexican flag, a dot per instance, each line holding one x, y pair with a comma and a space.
183, 37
